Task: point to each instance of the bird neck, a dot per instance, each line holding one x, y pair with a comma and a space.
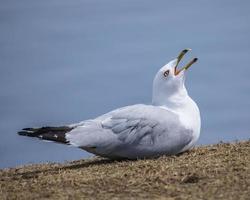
176, 99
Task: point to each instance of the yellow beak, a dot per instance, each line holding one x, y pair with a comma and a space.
180, 56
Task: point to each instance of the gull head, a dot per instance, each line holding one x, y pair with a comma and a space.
169, 82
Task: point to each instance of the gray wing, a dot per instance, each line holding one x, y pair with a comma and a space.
132, 125
141, 123
131, 130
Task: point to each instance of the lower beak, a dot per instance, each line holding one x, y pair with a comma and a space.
180, 56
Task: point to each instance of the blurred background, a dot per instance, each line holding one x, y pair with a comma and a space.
65, 61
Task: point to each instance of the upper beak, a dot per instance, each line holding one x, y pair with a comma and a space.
180, 56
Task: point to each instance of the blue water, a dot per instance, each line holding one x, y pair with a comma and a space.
65, 61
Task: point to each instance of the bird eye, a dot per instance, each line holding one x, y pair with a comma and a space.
166, 73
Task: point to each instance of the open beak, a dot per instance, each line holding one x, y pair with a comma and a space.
180, 56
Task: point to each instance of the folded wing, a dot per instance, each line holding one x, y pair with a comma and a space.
144, 127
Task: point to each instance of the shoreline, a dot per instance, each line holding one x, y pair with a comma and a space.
220, 171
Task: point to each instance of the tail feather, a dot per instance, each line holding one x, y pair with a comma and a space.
56, 134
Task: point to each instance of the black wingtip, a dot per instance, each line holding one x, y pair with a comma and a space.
28, 129
21, 133
56, 134
27, 132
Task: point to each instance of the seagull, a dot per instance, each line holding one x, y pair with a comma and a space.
169, 126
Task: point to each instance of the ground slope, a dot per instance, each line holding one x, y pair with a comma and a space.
219, 171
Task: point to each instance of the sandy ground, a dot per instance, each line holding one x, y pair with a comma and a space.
219, 171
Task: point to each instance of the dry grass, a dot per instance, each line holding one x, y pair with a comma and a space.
219, 171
